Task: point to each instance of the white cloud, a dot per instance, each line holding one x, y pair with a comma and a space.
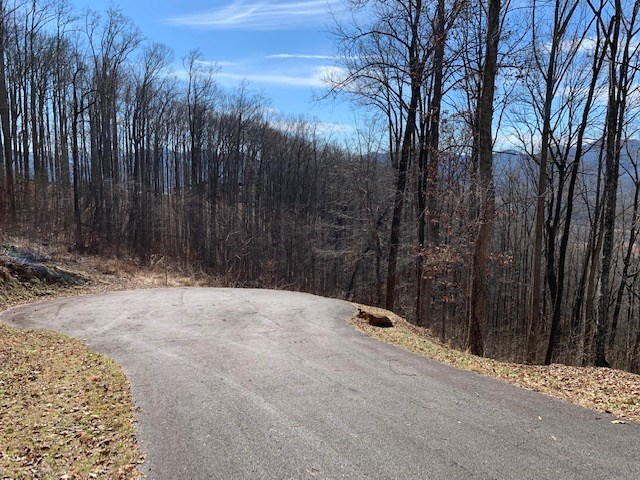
218, 64
325, 128
273, 79
260, 15
321, 128
331, 74
301, 56
316, 78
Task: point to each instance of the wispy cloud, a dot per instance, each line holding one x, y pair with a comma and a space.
218, 64
321, 128
273, 79
301, 56
317, 78
260, 15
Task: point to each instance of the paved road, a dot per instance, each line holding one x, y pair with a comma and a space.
259, 384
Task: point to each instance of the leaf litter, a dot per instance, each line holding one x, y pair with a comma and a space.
65, 410
602, 389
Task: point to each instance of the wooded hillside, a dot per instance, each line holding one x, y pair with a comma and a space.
493, 195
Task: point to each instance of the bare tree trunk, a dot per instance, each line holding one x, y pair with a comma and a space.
620, 80
479, 283
416, 66
626, 263
535, 324
432, 234
75, 156
4, 118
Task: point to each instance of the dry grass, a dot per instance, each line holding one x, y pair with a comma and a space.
65, 411
104, 274
602, 389
126, 274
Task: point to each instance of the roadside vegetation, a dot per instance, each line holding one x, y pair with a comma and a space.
66, 411
491, 177
603, 389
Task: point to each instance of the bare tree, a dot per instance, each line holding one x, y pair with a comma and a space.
478, 309
10, 196
621, 45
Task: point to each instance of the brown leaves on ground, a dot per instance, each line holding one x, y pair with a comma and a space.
602, 389
102, 274
65, 411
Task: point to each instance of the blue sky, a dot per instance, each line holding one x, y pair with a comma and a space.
281, 47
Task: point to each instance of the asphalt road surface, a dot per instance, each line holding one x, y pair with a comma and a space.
261, 384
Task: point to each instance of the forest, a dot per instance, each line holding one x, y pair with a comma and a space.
491, 191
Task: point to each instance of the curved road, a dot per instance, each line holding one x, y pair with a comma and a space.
260, 384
